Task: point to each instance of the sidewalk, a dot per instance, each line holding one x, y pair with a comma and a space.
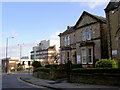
62, 84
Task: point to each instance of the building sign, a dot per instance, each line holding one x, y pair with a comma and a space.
114, 52
78, 59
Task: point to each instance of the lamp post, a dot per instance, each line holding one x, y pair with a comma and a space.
7, 52
20, 52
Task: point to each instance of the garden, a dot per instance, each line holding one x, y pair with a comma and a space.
106, 72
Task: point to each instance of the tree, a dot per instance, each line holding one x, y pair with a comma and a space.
36, 64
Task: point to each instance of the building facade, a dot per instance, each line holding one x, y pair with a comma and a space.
113, 28
46, 56
86, 42
9, 64
26, 62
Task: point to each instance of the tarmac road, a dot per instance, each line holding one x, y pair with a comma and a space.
13, 81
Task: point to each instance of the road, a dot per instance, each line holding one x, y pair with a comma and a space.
12, 81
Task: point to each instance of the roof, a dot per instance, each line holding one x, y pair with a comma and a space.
112, 6
98, 18
71, 29
52, 47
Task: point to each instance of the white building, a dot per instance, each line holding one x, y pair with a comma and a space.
25, 60
44, 44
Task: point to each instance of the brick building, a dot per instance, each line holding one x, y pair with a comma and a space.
113, 28
45, 56
9, 64
86, 42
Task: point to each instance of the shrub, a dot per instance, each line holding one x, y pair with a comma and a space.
42, 69
76, 66
36, 64
54, 66
47, 66
106, 63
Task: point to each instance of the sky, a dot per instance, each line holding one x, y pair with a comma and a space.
30, 22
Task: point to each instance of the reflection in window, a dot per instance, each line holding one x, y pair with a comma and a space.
84, 61
65, 41
88, 34
90, 58
68, 40
84, 35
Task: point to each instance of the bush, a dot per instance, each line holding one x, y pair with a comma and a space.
36, 64
42, 69
54, 66
76, 66
106, 63
95, 70
47, 66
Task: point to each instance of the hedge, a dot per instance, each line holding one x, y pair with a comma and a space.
106, 63
42, 69
95, 70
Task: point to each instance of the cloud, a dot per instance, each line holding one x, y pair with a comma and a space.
12, 33
55, 39
14, 51
94, 3
55, 36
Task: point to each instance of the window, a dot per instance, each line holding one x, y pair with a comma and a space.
68, 40
90, 57
74, 39
84, 61
65, 41
88, 34
84, 35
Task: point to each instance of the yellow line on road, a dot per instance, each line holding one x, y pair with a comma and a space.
30, 83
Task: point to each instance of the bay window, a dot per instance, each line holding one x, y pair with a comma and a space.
90, 56
84, 60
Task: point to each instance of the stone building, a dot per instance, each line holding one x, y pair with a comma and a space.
86, 42
113, 28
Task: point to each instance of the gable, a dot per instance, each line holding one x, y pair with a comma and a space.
84, 20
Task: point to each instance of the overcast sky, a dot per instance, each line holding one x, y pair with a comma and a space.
30, 22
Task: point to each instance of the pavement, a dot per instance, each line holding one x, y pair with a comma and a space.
62, 84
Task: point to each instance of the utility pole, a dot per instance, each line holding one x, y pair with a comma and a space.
6, 64
20, 53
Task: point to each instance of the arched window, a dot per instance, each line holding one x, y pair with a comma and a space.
68, 40
65, 41
84, 35
88, 34
74, 39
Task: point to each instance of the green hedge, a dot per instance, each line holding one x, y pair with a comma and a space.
106, 63
95, 70
76, 66
42, 69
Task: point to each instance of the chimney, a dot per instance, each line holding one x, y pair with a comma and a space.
68, 27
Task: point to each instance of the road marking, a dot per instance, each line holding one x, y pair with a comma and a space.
30, 83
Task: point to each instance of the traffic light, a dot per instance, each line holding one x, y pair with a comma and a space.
28, 62
23, 63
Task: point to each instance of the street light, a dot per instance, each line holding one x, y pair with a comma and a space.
7, 51
20, 51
